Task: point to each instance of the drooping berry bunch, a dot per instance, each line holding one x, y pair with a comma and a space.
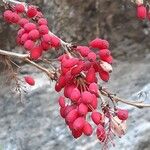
142, 11
33, 33
79, 81
78, 75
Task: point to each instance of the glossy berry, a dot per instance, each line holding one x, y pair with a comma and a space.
76, 134
28, 45
34, 34
43, 29
75, 95
23, 21
86, 97
96, 117
42, 21
61, 101
32, 11
122, 114
78, 124
36, 53
72, 116
87, 129
141, 11
100, 132
82, 109
19, 8
29, 80
29, 26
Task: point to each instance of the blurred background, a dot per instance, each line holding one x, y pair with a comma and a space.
34, 123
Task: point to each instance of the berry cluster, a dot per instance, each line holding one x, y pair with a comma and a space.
78, 75
78, 78
33, 33
142, 11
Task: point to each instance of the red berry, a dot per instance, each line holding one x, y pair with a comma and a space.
32, 11
45, 46
20, 32
82, 109
61, 101
43, 29
100, 132
93, 88
78, 124
68, 90
28, 44
99, 43
55, 41
36, 53
104, 75
29, 80
94, 102
141, 11
14, 18
104, 53
8, 15
86, 97
84, 50
91, 76
19, 8
87, 129
42, 21
75, 95
47, 38
122, 114
23, 21
34, 34
62, 112
72, 116
96, 117
24, 38
91, 56
29, 26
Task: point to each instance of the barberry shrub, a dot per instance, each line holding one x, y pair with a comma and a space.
81, 68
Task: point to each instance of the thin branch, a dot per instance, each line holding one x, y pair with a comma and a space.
12, 54
118, 99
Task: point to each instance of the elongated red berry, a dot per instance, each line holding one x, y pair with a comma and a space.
43, 29
61, 101
72, 116
87, 129
23, 21
91, 56
78, 124
68, 90
55, 41
122, 114
47, 38
32, 11
104, 75
29, 80
14, 18
36, 53
141, 11
100, 132
86, 97
29, 26
84, 50
19, 8
93, 88
8, 15
90, 76
28, 44
75, 95
24, 38
42, 21
96, 117
34, 35
82, 109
